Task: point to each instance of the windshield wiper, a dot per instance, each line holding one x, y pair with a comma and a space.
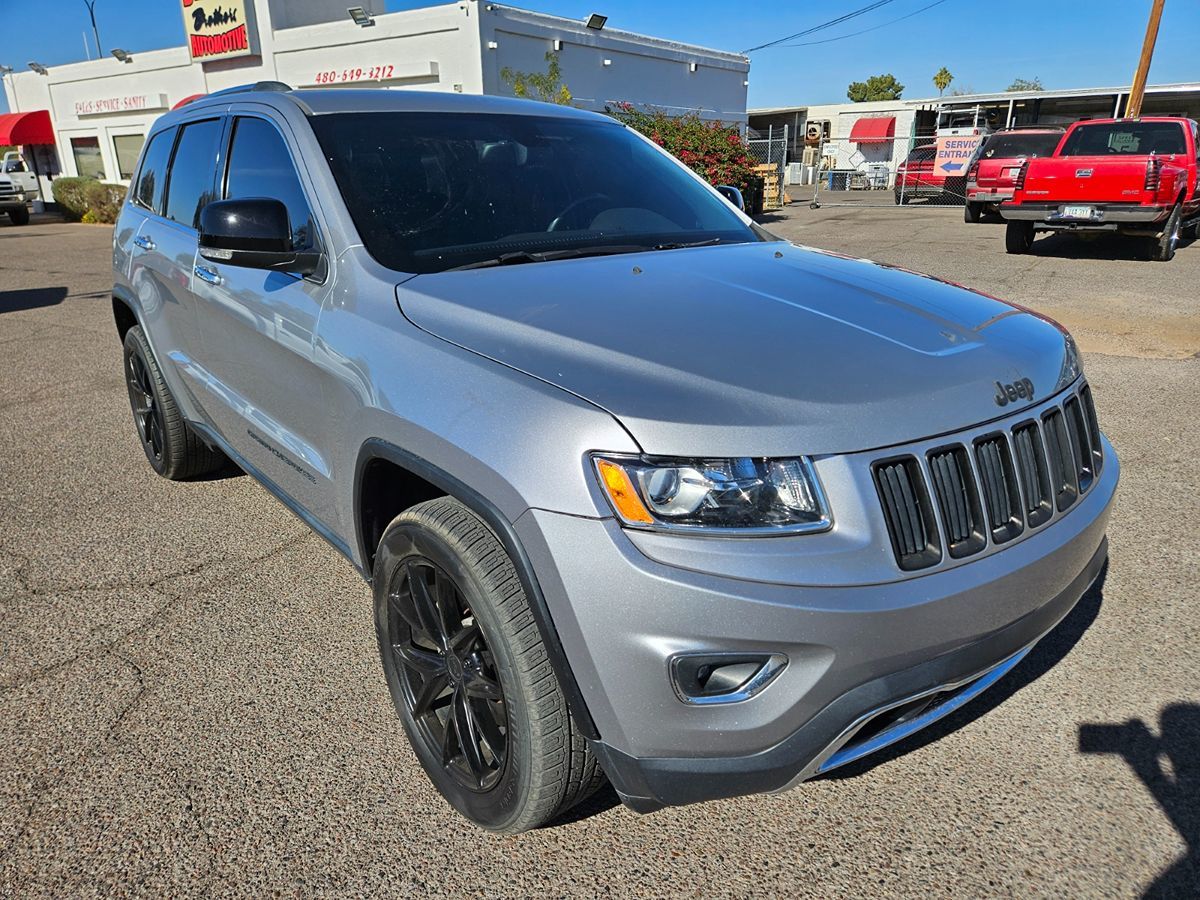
518, 257
683, 246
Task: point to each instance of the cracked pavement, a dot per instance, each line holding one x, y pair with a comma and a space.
191, 701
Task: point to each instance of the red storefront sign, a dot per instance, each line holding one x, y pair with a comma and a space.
216, 30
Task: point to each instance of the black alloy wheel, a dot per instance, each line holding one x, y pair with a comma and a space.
448, 674
469, 675
174, 450
147, 413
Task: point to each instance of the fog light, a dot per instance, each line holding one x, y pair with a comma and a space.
712, 678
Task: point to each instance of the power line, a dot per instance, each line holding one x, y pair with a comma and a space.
838, 21
865, 30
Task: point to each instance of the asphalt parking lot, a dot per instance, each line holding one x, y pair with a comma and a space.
191, 700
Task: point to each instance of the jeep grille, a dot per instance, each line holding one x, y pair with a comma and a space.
1009, 480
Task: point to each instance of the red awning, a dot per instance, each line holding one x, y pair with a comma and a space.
875, 130
26, 128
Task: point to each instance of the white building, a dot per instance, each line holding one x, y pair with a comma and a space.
857, 136
90, 118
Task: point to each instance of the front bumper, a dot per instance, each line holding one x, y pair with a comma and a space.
853, 651
1107, 216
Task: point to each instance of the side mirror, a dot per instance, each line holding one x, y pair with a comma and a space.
253, 232
733, 195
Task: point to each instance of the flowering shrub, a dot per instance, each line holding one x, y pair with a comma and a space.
714, 150
88, 200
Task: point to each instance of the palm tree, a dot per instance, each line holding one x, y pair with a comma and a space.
942, 80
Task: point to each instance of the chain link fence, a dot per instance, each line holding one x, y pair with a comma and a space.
907, 172
770, 156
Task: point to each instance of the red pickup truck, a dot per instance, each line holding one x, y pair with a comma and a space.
1134, 176
993, 171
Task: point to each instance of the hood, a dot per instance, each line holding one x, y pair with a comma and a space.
761, 349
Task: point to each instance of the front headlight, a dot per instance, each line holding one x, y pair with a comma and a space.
728, 496
1072, 367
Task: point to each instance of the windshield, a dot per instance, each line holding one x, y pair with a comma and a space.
1125, 139
435, 191
1014, 145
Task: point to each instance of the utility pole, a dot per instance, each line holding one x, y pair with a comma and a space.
91, 5
1134, 108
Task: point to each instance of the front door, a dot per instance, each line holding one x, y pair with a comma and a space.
258, 331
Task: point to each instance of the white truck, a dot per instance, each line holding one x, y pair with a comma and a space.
18, 187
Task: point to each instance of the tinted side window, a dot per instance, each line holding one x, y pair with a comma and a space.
192, 170
260, 166
153, 175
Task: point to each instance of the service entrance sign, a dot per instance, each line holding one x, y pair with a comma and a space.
953, 154
218, 30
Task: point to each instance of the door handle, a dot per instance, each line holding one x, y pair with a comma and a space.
204, 273
144, 242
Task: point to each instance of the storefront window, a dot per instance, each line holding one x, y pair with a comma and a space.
127, 147
88, 162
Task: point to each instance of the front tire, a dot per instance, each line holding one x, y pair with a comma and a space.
1018, 237
469, 675
19, 215
901, 199
174, 450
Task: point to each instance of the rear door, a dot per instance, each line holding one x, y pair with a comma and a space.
169, 198
259, 328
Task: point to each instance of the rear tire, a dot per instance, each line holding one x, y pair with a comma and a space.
972, 212
1162, 248
902, 199
174, 450
461, 653
1018, 237
19, 216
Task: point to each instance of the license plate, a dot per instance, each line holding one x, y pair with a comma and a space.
1079, 212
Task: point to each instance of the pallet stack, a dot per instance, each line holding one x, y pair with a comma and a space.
772, 185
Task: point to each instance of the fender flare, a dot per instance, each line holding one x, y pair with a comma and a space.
377, 448
125, 297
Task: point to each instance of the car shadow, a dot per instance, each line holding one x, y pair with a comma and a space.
1045, 655
1169, 766
767, 218
602, 801
229, 469
31, 298
1097, 246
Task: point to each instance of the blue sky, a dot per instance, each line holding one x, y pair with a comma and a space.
985, 44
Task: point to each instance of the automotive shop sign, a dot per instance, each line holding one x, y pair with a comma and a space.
218, 30
954, 154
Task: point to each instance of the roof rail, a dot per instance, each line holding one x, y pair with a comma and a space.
257, 86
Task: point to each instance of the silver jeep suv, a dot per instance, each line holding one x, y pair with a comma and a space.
642, 491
